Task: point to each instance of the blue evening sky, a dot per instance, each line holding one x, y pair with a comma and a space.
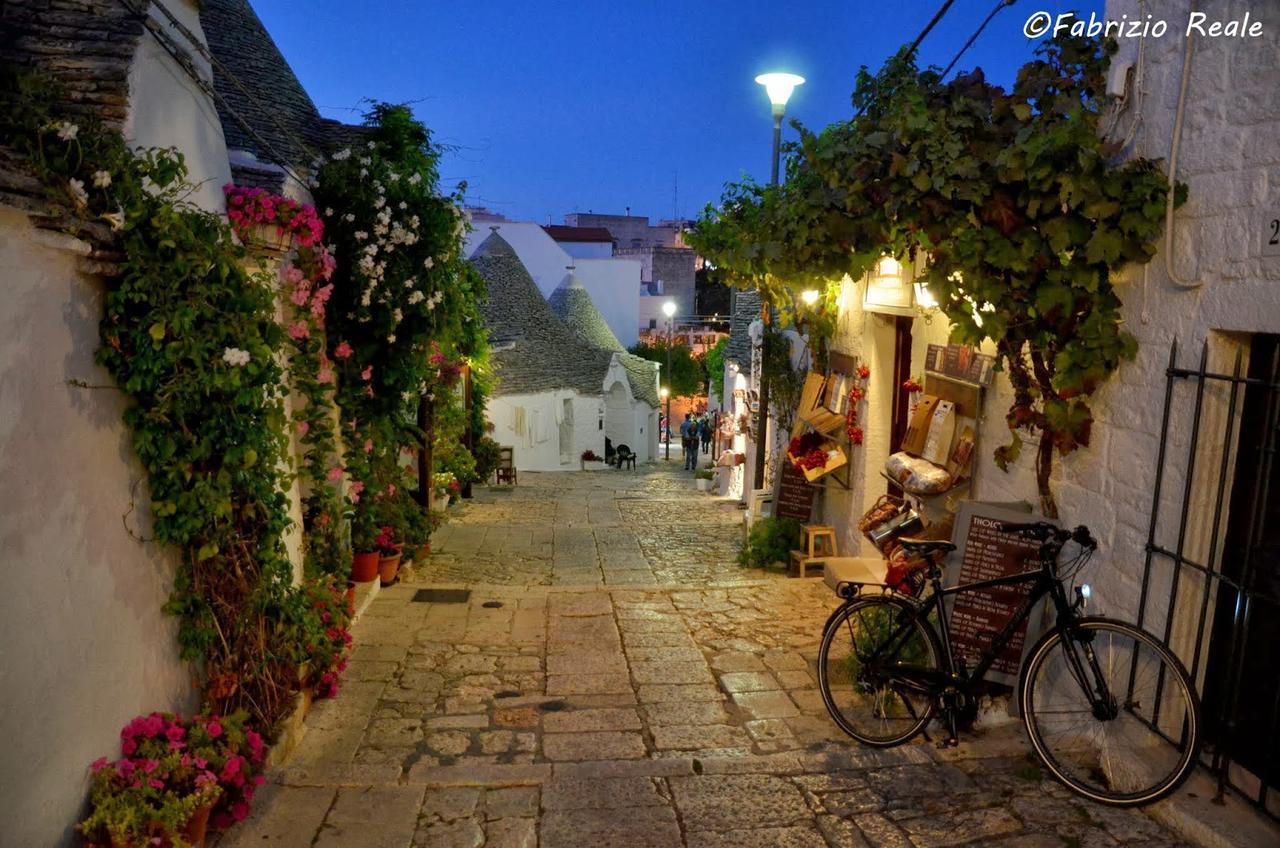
552, 106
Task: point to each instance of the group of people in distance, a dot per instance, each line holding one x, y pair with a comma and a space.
695, 430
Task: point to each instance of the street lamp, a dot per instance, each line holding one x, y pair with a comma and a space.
669, 310
779, 87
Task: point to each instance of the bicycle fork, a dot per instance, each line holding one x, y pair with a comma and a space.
1101, 699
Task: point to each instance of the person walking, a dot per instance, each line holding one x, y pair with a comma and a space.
704, 432
689, 442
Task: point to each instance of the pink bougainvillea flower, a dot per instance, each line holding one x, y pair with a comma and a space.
214, 728
335, 473
294, 274
303, 427
391, 488
299, 330
324, 293
324, 375
342, 351
98, 765
368, 445
357, 487
300, 296
367, 373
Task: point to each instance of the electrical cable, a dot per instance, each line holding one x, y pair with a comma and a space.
1000, 4
937, 16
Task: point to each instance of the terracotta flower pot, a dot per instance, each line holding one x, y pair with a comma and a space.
351, 597
197, 825
387, 568
364, 567
421, 554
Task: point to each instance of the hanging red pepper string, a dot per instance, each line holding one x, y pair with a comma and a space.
857, 395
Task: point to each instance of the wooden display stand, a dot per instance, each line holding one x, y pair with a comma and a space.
817, 545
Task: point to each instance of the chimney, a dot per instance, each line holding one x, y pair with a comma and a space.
628, 211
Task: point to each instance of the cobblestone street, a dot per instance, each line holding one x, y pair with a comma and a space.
605, 674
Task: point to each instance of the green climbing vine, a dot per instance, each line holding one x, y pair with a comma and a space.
1023, 214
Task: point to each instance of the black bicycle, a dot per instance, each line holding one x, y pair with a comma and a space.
1109, 709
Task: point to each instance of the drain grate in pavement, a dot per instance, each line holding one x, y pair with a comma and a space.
552, 706
507, 693
492, 604
441, 596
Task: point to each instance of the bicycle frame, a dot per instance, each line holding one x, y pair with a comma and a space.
1045, 583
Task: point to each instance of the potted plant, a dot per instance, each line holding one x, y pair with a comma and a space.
175, 777
389, 553
364, 536
591, 461
702, 479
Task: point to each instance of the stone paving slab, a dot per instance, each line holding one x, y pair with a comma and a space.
555, 708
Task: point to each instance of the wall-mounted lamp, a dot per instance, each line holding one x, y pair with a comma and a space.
809, 296
889, 290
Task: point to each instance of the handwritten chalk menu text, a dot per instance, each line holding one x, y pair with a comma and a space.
978, 617
795, 495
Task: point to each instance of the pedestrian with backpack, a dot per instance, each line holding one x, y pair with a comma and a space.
689, 442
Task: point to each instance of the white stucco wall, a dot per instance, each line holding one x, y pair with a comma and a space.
533, 455
588, 249
1232, 168
168, 109
83, 644
614, 286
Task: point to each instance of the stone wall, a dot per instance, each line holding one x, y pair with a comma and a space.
1228, 158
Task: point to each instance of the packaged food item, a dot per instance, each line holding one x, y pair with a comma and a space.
942, 426
961, 454
918, 429
917, 476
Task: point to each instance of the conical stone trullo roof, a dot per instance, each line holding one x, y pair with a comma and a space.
578, 311
534, 351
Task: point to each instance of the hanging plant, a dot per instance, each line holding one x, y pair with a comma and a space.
1024, 215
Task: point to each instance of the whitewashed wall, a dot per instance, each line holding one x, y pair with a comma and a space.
83, 644
1231, 163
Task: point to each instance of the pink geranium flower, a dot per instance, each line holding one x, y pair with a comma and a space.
342, 351
324, 375
299, 330
303, 427
335, 474
367, 373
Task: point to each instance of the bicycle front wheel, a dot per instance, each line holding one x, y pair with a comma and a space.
864, 643
1111, 712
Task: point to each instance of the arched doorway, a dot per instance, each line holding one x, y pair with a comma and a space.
619, 421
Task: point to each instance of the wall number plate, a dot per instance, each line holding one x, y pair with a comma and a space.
1271, 234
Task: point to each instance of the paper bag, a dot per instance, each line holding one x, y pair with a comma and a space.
918, 430
937, 445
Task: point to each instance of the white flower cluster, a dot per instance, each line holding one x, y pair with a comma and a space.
235, 356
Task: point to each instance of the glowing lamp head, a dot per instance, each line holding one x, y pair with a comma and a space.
779, 87
669, 308
1086, 592
664, 392
809, 296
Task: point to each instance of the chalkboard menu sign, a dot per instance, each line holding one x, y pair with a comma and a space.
985, 552
960, 362
795, 495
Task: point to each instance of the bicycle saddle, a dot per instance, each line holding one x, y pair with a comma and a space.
924, 547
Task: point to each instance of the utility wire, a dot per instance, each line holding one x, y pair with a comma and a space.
937, 16
1000, 4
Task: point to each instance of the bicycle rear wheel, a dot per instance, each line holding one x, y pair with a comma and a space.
1131, 751
862, 644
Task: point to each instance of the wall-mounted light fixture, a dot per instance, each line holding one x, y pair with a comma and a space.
889, 289
809, 296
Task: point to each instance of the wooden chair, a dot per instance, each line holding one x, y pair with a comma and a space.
506, 472
817, 545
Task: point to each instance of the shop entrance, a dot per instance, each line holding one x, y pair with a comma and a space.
901, 373
1229, 595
